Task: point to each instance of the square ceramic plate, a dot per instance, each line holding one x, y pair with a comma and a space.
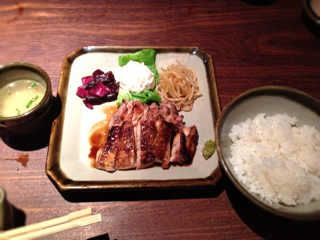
68, 164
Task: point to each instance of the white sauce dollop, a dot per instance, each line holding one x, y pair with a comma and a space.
134, 77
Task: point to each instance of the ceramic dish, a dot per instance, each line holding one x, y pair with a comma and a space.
68, 164
6, 212
36, 118
270, 100
312, 9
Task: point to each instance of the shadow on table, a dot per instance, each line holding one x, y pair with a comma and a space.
260, 2
33, 141
146, 194
19, 217
267, 225
311, 26
101, 237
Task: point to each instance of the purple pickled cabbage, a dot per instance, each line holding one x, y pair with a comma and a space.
97, 72
111, 97
86, 79
109, 90
113, 86
94, 100
91, 84
100, 90
87, 104
107, 78
81, 92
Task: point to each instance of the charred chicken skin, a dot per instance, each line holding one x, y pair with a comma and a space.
141, 135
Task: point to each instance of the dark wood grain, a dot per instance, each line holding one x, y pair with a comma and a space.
251, 45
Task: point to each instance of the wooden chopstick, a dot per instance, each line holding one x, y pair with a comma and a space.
72, 220
59, 228
52, 222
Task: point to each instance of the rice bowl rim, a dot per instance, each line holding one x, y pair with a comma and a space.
290, 93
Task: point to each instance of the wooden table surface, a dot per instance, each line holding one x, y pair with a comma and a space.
251, 45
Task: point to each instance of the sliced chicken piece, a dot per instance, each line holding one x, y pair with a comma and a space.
127, 114
178, 151
126, 157
138, 111
184, 145
141, 111
192, 138
168, 107
166, 160
162, 143
106, 155
118, 150
153, 139
118, 117
146, 133
144, 141
170, 114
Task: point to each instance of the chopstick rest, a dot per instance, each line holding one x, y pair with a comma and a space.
72, 220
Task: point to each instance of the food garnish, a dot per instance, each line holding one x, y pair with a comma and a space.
98, 88
208, 149
138, 79
179, 85
147, 57
33, 84
144, 97
31, 101
134, 77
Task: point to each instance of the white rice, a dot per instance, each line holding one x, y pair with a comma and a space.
276, 159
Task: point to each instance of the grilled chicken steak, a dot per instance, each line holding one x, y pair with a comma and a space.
141, 135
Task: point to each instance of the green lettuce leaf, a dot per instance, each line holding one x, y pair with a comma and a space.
123, 95
145, 97
148, 57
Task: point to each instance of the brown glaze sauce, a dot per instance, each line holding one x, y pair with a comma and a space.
99, 131
22, 158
